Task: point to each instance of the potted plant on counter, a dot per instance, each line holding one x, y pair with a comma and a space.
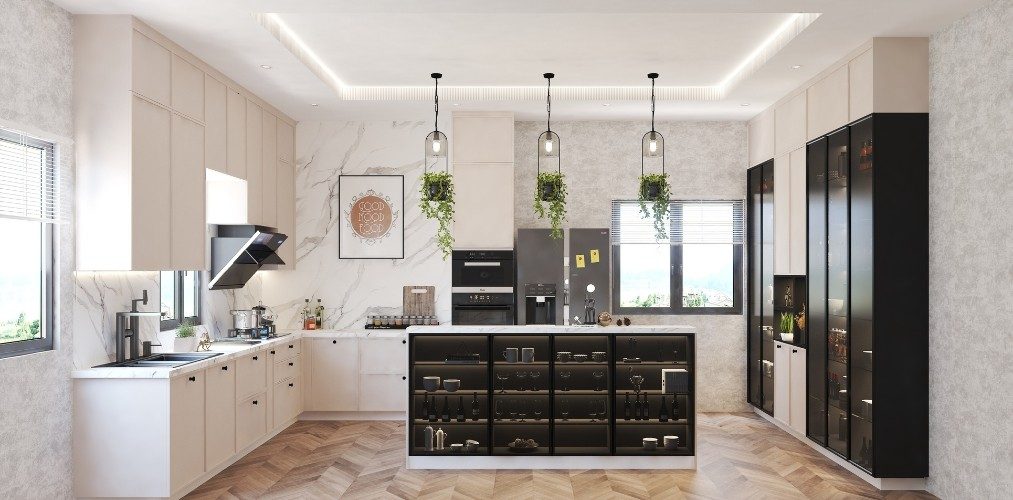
787, 327
437, 203
186, 337
550, 200
655, 191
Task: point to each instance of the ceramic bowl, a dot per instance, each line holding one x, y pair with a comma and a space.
431, 384
671, 443
451, 384
456, 447
650, 444
580, 358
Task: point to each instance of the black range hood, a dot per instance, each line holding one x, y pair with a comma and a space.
239, 251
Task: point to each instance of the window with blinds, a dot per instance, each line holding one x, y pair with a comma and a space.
30, 206
694, 268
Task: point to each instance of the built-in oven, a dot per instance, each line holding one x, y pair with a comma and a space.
482, 306
483, 268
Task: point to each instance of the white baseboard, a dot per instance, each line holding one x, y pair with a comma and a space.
486, 462
353, 415
880, 483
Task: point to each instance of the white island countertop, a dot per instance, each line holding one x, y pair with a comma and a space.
553, 329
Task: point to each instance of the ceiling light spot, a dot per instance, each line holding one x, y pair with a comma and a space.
265, 66
797, 66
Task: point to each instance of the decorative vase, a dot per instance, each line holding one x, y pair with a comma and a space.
185, 344
437, 190
547, 191
788, 337
651, 190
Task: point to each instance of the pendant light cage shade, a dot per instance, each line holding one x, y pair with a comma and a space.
548, 145
437, 144
652, 146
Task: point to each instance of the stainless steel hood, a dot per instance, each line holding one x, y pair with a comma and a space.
239, 251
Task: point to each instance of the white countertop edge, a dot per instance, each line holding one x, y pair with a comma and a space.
542, 329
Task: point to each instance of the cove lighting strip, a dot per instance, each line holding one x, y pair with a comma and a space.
773, 44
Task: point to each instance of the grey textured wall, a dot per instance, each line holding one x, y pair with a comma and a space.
36, 61
971, 270
601, 161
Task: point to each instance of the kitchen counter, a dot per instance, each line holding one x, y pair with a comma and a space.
229, 351
553, 329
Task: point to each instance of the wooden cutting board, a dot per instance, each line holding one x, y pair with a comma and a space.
419, 301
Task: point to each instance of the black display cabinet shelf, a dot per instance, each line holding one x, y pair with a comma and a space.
570, 408
867, 302
790, 298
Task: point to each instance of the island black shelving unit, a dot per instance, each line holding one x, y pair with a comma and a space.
569, 407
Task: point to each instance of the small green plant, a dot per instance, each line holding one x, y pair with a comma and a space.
437, 203
186, 329
550, 200
787, 322
654, 190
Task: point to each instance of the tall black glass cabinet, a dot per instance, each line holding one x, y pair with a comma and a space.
760, 305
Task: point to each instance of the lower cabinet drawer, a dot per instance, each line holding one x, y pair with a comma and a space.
287, 400
251, 375
286, 369
251, 420
286, 350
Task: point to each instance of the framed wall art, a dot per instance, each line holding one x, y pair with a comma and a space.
372, 217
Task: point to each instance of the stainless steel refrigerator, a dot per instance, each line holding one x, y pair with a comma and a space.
539, 260
589, 264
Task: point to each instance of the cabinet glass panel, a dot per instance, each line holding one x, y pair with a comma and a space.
861, 177
816, 362
755, 286
838, 292
581, 401
521, 404
767, 282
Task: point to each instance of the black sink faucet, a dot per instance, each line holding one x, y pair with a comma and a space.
126, 328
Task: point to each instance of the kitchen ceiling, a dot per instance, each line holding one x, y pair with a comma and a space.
718, 59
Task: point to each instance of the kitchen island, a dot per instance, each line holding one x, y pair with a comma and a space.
551, 397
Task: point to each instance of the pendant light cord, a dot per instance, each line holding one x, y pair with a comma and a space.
652, 104
548, 104
436, 104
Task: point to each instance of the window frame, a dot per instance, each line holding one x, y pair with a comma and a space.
676, 279
47, 325
178, 299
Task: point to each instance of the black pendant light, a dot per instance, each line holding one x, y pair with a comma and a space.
436, 142
548, 141
653, 144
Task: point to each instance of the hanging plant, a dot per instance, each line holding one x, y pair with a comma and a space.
655, 191
437, 203
550, 200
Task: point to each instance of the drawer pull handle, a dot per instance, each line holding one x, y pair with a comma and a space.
290, 364
334, 341
255, 401
193, 379
291, 385
404, 378
255, 358
225, 368
779, 346
272, 352
794, 350
291, 346
404, 341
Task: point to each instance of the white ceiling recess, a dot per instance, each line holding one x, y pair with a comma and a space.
718, 59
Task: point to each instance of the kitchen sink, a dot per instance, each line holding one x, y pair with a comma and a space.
168, 359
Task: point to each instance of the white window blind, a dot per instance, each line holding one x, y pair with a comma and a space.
30, 183
689, 221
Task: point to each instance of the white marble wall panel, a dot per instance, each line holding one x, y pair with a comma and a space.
97, 298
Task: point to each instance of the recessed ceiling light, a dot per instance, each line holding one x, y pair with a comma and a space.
797, 66
314, 104
265, 66
744, 104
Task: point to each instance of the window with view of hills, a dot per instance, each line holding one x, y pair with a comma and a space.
696, 268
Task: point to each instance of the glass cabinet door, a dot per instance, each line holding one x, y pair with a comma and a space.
755, 286
816, 362
838, 298
861, 180
767, 282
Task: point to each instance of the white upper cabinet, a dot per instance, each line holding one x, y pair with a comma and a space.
797, 230
215, 128
789, 125
860, 86
151, 200
151, 67
254, 163
187, 190
235, 134
761, 138
782, 210
187, 89
483, 138
269, 181
827, 103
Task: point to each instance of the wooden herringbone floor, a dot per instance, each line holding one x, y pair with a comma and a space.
739, 456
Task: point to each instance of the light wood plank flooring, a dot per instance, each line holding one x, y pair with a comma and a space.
739, 456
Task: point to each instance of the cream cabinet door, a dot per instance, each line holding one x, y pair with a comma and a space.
186, 429
151, 67
286, 213
188, 185
187, 89
782, 210
251, 419
286, 142
215, 125
827, 103
251, 374
151, 151
235, 134
334, 375
789, 125
383, 393
860, 86
220, 414
798, 231
269, 183
760, 131
483, 205
797, 389
287, 400
383, 356
782, 381
254, 164
483, 139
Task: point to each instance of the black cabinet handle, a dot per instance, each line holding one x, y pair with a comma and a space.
334, 341
404, 378
291, 385
291, 346
404, 341
193, 379
225, 368
255, 358
290, 364
794, 350
254, 401
778, 346
272, 352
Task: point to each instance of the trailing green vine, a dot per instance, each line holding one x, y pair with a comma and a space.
654, 190
551, 190
437, 202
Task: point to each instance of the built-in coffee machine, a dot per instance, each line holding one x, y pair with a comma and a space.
540, 304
